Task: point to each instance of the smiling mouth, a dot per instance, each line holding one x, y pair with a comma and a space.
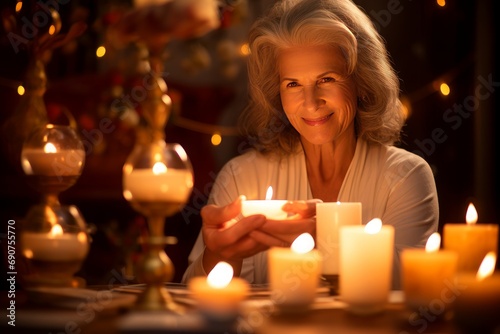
317, 121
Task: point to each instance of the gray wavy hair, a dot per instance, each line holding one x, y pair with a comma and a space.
341, 23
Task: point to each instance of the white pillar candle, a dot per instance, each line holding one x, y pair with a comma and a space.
294, 273
329, 218
150, 185
52, 162
366, 257
428, 276
470, 241
54, 246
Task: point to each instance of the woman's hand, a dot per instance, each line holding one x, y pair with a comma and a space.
227, 239
281, 233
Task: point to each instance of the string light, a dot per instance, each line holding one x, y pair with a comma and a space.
52, 29
20, 90
445, 89
441, 3
245, 49
19, 6
101, 51
216, 139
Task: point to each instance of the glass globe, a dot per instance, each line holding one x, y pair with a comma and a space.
157, 182
54, 237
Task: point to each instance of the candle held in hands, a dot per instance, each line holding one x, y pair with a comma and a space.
268, 207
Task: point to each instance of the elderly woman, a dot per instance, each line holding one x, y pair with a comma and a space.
323, 118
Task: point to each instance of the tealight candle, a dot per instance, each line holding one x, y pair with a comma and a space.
366, 257
428, 276
329, 218
294, 273
471, 241
269, 208
478, 299
219, 294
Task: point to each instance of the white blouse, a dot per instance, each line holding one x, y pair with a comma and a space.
391, 183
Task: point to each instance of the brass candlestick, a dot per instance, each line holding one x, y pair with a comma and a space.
157, 182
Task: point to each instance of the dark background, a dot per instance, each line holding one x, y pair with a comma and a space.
428, 45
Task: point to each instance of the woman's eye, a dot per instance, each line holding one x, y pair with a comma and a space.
327, 79
292, 84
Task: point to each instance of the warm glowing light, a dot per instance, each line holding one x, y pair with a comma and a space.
52, 29
101, 51
441, 3
19, 6
159, 168
82, 237
471, 215
245, 49
304, 243
49, 148
216, 139
269, 193
220, 276
433, 243
487, 267
55, 231
166, 99
445, 89
374, 226
21, 90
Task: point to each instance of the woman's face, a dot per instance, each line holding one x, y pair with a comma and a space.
318, 97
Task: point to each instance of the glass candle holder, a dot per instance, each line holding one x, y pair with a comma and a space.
53, 238
157, 182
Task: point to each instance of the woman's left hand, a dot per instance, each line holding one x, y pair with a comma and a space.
281, 233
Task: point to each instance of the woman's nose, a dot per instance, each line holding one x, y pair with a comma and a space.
313, 97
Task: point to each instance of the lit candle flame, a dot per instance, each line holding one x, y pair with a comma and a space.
304, 243
269, 193
220, 276
55, 231
487, 267
374, 226
471, 215
159, 168
49, 148
433, 243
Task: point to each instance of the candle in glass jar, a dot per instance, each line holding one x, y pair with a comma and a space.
51, 161
294, 273
268, 207
470, 241
219, 294
366, 256
329, 218
428, 275
55, 245
158, 184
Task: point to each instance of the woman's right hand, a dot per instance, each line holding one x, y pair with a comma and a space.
227, 239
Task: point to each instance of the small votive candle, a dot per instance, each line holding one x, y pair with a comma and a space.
428, 276
272, 209
219, 295
478, 299
471, 241
366, 257
294, 273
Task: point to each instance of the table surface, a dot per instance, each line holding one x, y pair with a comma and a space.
101, 310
